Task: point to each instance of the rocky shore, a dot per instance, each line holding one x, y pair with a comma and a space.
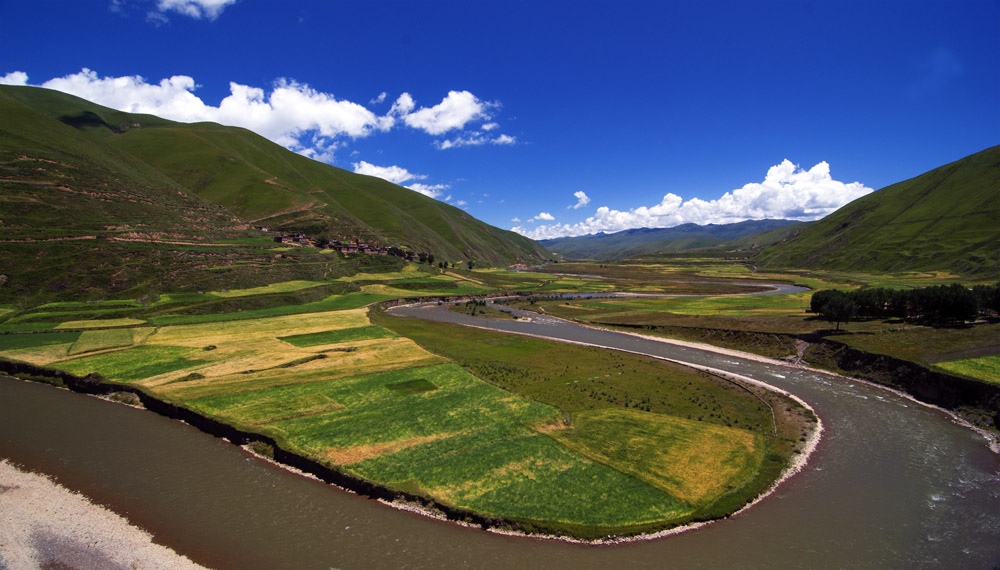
45, 525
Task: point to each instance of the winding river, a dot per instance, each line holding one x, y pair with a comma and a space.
893, 484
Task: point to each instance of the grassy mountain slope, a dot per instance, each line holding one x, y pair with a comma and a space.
259, 181
765, 238
943, 220
645, 241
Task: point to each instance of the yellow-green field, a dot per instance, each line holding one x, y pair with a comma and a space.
100, 323
285, 287
369, 401
985, 368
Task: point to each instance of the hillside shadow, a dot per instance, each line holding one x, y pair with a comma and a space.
86, 120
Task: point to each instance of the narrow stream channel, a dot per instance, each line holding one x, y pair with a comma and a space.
892, 485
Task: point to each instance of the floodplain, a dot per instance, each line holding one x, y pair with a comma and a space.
530, 435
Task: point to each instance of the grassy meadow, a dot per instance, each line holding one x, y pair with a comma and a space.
582, 442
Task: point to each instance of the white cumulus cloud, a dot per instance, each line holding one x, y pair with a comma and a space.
197, 9
394, 174
292, 114
400, 175
14, 78
787, 192
474, 139
581, 200
545, 216
429, 190
453, 112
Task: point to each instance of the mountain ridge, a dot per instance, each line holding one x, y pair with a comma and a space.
646, 241
97, 202
942, 220
261, 182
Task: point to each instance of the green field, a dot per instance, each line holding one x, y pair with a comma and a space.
134, 364
336, 336
406, 404
94, 340
985, 368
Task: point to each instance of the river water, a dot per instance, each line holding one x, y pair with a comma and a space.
892, 485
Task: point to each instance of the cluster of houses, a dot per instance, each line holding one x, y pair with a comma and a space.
356, 246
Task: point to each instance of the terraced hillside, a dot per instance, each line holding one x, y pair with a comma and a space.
943, 220
73, 172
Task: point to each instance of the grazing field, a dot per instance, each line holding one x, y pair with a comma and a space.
18, 341
580, 441
931, 345
627, 412
103, 339
985, 368
134, 364
691, 460
337, 336
100, 323
285, 287
576, 378
408, 439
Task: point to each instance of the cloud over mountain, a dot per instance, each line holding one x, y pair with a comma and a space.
400, 175
292, 114
787, 192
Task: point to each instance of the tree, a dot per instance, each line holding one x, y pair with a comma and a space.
837, 306
840, 309
469, 264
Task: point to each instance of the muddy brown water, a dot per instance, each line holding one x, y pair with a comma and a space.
893, 484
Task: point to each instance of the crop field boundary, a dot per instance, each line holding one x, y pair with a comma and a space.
305, 466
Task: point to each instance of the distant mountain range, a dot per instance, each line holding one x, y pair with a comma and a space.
685, 237
947, 219
155, 175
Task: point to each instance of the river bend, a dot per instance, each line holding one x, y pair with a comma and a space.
893, 484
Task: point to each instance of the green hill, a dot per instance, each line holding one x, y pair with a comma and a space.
75, 175
943, 220
651, 241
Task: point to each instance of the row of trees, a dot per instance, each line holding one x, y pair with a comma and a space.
941, 304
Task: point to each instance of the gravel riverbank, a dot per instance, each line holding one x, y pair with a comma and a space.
45, 525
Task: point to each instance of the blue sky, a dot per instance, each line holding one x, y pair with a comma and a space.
552, 117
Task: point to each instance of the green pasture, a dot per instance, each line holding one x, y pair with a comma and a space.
525, 476
94, 340
134, 364
745, 305
582, 440
984, 368
577, 378
388, 290
409, 271
691, 460
100, 323
331, 303
60, 316
36, 340
284, 287
337, 336
929, 345
460, 440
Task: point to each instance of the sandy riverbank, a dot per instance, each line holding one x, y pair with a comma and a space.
45, 525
